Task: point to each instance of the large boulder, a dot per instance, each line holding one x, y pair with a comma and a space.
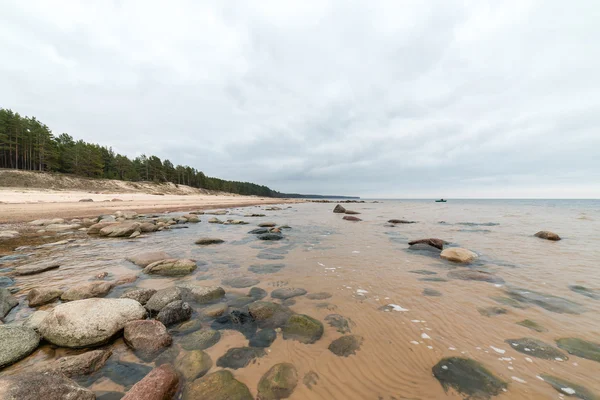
47, 385
40, 296
147, 337
35, 320
220, 385
171, 267
7, 302
89, 322
161, 298
547, 235
160, 384
96, 228
16, 342
87, 291
278, 382
194, 364
147, 258
202, 294
172, 313
82, 364
339, 209
124, 229
458, 255
140, 295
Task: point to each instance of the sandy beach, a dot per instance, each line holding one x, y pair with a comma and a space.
23, 205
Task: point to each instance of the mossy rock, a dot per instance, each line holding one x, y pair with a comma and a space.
339, 322
278, 382
534, 326
536, 348
200, 340
220, 385
263, 338
303, 328
239, 357
491, 311
568, 389
468, 377
580, 348
194, 364
346, 345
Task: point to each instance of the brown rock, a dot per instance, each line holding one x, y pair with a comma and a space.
437, 243
87, 291
160, 384
95, 229
82, 364
458, 255
47, 385
339, 209
147, 337
41, 296
350, 212
547, 235
145, 259
351, 218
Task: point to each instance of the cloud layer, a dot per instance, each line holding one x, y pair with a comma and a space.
387, 98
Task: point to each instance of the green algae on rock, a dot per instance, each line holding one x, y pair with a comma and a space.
220, 385
346, 345
239, 357
581, 348
567, 388
468, 377
303, 328
527, 323
536, 348
278, 382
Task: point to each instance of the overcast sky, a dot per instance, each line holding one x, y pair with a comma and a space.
371, 98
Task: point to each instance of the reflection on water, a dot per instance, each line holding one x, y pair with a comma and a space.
399, 312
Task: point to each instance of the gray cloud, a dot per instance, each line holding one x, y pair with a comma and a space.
405, 99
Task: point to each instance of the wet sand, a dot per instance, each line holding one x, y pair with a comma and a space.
365, 266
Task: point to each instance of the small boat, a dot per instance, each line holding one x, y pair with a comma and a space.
440, 201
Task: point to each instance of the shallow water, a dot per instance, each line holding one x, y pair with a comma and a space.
366, 265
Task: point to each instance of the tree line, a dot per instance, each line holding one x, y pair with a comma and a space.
28, 144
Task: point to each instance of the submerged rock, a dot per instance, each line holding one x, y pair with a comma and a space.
507, 301
194, 364
339, 322
527, 323
140, 295
263, 338
171, 267
431, 292
270, 236
547, 235
239, 357
474, 275
259, 231
161, 298
433, 279
240, 282
350, 212
278, 382
82, 364
201, 294
147, 258
318, 296
7, 302
431, 242
491, 311
238, 320
124, 229
125, 373
147, 338
89, 322
266, 268
16, 342
537, 348
422, 272
567, 388
160, 384
33, 269
287, 293
546, 301
346, 345
580, 348
220, 385
174, 312
205, 241
458, 255
351, 218
216, 310
303, 328
257, 293
48, 385
468, 377
200, 340
591, 293
87, 291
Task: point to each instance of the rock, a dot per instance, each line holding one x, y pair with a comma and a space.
126, 214
311, 378
220, 385
458, 255
266, 268
257, 293
567, 388
253, 215
89, 322
35, 320
215, 220
491, 311
140, 295
431, 292
123, 229
259, 231
238, 320
401, 221
546, 301
160, 384
202, 294
236, 222
175, 312
217, 212
239, 357
474, 275
303, 328
339, 322
7, 302
263, 338
35, 268
162, 297
216, 310
351, 218
200, 340
240, 282
287, 293
262, 310
48, 385
208, 240
289, 302
96, 228
191, 218
194, 364
147, 338
61, 227
547, 235
468, 377
125, 373
278, 382
86, 200
536, 348
16, 342
267, 225
148, 227
432, 242
580, 348
134, 235
587, 292
45, 222
82, 364
318, 296
5, 281
270, 236
339, 209
171, 267
87, 291
346, 345
527, 323
350, 212
40, 296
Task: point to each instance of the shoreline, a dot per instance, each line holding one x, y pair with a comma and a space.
31, 204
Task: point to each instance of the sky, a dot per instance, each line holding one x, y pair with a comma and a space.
405, 99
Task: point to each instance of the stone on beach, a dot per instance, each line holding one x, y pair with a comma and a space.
147, 258
201, 294
215, 220
162, 297
44, 222
303, 328
270, 236
220, 385
124, 229
346, 345
96, 228
146, 337
351, 218
160, 384
171, 267
208, 241
239, 357
7, 302
89, 322
35, 320
547, 235
140, 295
82, 364
32, 269
433, 242
536, 348
580, 348
48, 385
278, 382
87, 291
474, 275
16, 342
172, 313
287, 293
468, 377
339, 209
458, 255
40, 296
194, 364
